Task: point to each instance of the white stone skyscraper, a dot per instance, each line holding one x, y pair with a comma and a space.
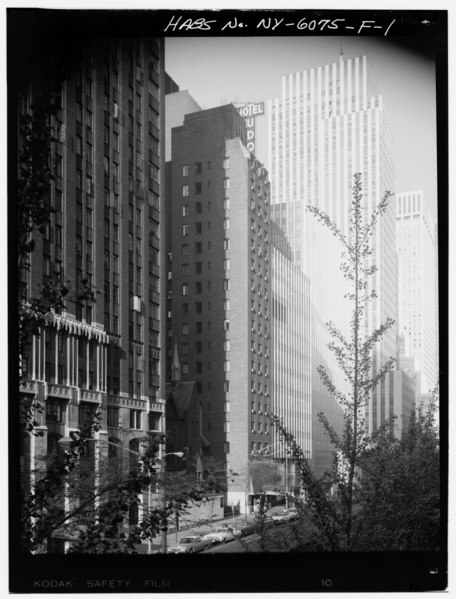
417, 248
328, 125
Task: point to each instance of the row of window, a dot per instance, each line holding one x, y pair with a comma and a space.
198, 187
197, 168
198, 347
199, 367
198, 247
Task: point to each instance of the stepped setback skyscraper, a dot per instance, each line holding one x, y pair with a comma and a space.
327, 125
416, 247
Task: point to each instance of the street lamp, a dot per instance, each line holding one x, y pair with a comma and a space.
162, 468
164, 535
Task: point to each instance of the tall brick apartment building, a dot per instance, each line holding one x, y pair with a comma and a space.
220, 285
106, 230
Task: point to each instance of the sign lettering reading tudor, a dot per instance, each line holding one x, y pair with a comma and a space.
249, 111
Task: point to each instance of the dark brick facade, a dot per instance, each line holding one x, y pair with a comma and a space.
219, 279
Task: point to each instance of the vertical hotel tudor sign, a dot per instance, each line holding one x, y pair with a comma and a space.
249, 112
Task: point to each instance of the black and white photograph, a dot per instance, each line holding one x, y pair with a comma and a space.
227, 300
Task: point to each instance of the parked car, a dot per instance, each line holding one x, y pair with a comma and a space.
249, 529
190, 544
284, 515
237, 532
220, 534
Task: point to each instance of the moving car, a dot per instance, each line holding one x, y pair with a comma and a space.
190, 544
219, 535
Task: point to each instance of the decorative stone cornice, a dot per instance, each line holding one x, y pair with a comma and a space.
28, 387
126, 402
155, 406
91, 396
55, 390
76, 327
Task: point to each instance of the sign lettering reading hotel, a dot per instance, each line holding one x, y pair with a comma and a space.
249, 112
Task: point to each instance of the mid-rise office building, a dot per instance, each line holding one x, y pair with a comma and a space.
417, 250
220, 285
290, 357
105, 233
329, 124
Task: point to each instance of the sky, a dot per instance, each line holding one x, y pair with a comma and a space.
220, 70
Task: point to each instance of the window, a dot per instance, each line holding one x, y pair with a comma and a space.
226, 163
185, 349
185, 289
226, 223
226, 386
198, 247
199, 207
184, 269
185, 249
184, 191
199, 327
113, 416
198, 187
198, 307
226, 325
226, 244
226, 366
53, 410
135, 419
185, 329
226, 183
226, 305
226, 345
226, 285
226, 264
185, 170
185, 210
199, 367
198, 228
198, 168
198, 268
198, 347
184, 230
185, 368
226, 203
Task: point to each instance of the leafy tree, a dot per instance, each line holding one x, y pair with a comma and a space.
400, 494
261, 519
70, 500
333, 517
